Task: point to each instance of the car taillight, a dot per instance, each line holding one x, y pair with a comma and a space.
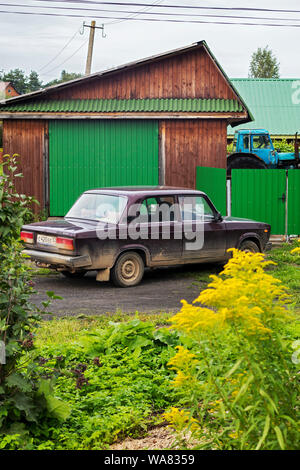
26, 237
64, 243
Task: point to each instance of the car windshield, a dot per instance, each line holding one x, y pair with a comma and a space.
101, 207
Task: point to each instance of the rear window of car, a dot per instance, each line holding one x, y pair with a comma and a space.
99, 207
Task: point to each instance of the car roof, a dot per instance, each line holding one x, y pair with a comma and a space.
126, 190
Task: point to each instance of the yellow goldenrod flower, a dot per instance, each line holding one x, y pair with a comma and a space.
184, 363
180, 420
243, 293
296, 251
182, 358
191, 318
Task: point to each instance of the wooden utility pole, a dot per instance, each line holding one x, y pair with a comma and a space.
92, 27
90, 49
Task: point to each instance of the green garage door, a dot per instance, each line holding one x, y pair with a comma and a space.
97, 153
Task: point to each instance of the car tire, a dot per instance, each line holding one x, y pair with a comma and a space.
128, 270
249, 246
76, 275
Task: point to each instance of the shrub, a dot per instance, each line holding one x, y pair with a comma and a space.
283, 146
116, 380
235, 373
24, 400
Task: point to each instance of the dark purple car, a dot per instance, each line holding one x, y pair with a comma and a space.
120, 231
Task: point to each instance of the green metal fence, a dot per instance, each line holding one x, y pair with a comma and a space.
271, 196
260, 195
293, 214
98, 153
212, 181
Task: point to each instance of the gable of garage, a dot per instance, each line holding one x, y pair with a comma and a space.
183, 97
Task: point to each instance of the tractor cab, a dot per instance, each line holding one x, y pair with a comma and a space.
253, 149
257, 142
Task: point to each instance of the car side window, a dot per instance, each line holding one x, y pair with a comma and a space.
195, 208
158, 209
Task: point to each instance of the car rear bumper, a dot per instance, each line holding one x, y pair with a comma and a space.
58, 260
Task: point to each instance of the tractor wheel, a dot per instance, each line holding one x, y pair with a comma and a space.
243, 162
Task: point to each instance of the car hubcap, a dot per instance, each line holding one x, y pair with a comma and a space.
129, 270
248, 250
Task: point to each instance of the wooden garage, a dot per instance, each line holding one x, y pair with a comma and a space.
149, 122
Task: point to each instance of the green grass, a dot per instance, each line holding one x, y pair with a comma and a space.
65, 330
287, 269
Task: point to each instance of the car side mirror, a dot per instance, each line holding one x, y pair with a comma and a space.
218, 217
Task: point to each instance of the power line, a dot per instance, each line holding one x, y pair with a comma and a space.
179, 6
66, 60
142, 11
160, 14
60, 52
114, 22
157, 19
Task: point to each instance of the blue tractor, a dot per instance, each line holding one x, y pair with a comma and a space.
253, 149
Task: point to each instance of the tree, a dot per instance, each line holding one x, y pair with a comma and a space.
21, 82
33, 82
27, 83
18, 79
64, 77
264, 64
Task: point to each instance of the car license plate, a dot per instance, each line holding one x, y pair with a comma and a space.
46, 240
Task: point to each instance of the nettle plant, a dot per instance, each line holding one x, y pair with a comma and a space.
238, 383
23, 398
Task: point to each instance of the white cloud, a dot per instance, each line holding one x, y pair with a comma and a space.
30, 42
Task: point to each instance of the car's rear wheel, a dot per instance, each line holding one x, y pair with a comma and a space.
76, 275
249, 247
128, 270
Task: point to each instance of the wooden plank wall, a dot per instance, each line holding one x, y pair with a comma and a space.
186, 143
192, 143
189, 75
26, 138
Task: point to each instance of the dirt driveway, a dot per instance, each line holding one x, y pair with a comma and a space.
160, 291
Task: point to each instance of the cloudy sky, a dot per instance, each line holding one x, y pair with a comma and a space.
50, 43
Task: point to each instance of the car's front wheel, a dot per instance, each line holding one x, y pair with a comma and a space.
128, 270
249, 247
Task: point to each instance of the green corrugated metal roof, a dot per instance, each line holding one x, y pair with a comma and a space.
274, 103
128, 106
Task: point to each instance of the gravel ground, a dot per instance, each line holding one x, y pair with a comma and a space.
160, 291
